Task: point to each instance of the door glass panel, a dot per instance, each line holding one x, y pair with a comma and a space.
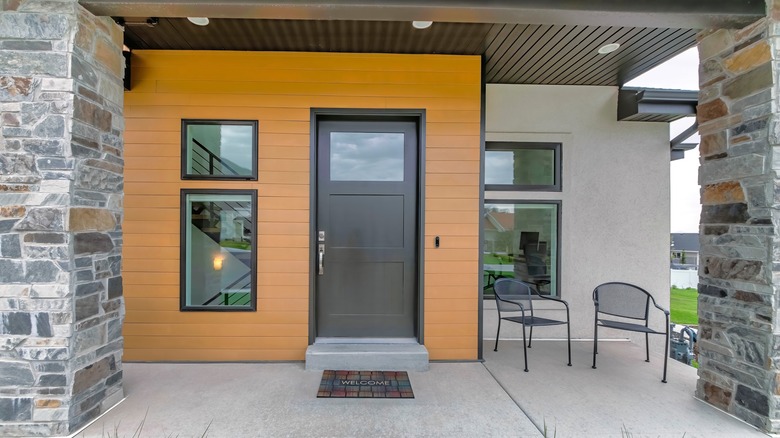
366, 156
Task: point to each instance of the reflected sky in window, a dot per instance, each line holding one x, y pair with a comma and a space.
237, 147
499, 167
366, 156
520, 166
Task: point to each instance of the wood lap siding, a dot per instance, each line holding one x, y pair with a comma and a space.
278, 90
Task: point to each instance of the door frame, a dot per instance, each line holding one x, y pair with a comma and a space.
358, 114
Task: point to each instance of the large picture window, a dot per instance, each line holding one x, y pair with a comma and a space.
522, 166
521, 241
219, 149
218, 249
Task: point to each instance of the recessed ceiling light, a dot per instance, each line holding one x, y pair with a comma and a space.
200, 21
422, 24
608, 48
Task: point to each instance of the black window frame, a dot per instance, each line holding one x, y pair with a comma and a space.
515, 145
183, 307
558, 204
218, 122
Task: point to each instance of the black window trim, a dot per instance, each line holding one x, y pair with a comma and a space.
513, 145
184, 156
183, 307
559, 215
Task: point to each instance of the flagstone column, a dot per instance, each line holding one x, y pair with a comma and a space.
61, 185
739, 276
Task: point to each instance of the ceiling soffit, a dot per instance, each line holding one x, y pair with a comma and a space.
514, 53
691, 14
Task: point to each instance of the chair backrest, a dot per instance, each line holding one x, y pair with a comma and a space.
513, 290
622, 299
535, 264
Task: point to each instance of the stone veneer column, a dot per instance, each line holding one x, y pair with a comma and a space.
739, 277
61, 185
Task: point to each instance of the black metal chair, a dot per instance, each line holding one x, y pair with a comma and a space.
514, 296
626, 300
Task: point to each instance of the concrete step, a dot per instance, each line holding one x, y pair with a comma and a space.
367, 356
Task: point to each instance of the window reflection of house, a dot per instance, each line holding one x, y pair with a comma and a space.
498, 232
520, 241
684, 253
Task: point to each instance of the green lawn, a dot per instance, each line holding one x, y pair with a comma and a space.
683, 306
496, 259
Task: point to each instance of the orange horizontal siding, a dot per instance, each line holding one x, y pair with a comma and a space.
452, 354
172, 291
445, 330
160, 303
279, 90
206, 330
290, 75
446, 155
209, 355
447, 342
174, 316
451, 242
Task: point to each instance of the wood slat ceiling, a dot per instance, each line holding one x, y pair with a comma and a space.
514, 53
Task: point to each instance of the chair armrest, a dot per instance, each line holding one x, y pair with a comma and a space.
554, 299
666, 312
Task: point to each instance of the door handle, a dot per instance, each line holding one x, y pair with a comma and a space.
321, 258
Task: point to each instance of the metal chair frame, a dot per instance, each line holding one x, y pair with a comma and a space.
530, 320
620, 325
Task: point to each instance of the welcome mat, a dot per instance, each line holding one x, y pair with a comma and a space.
365, 384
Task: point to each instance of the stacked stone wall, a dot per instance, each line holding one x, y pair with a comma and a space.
740, 246
61, 189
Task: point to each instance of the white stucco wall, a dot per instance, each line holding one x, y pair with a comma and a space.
615, 197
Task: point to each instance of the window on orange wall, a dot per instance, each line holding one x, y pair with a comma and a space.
219, 149
218, 250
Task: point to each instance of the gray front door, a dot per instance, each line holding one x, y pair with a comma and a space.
366, 263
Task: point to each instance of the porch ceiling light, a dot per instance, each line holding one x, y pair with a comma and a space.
422, 24
200, 21
608, 48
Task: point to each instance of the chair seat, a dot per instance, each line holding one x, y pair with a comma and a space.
533, 320
620, 325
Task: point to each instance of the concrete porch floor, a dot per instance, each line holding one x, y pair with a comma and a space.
496, 398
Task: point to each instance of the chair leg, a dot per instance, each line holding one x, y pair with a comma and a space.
525, 353
497, 332
595, 341
666, 352
530, 336
647, 346
568, 339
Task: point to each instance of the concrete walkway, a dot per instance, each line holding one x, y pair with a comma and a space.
624, 397
279, 400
